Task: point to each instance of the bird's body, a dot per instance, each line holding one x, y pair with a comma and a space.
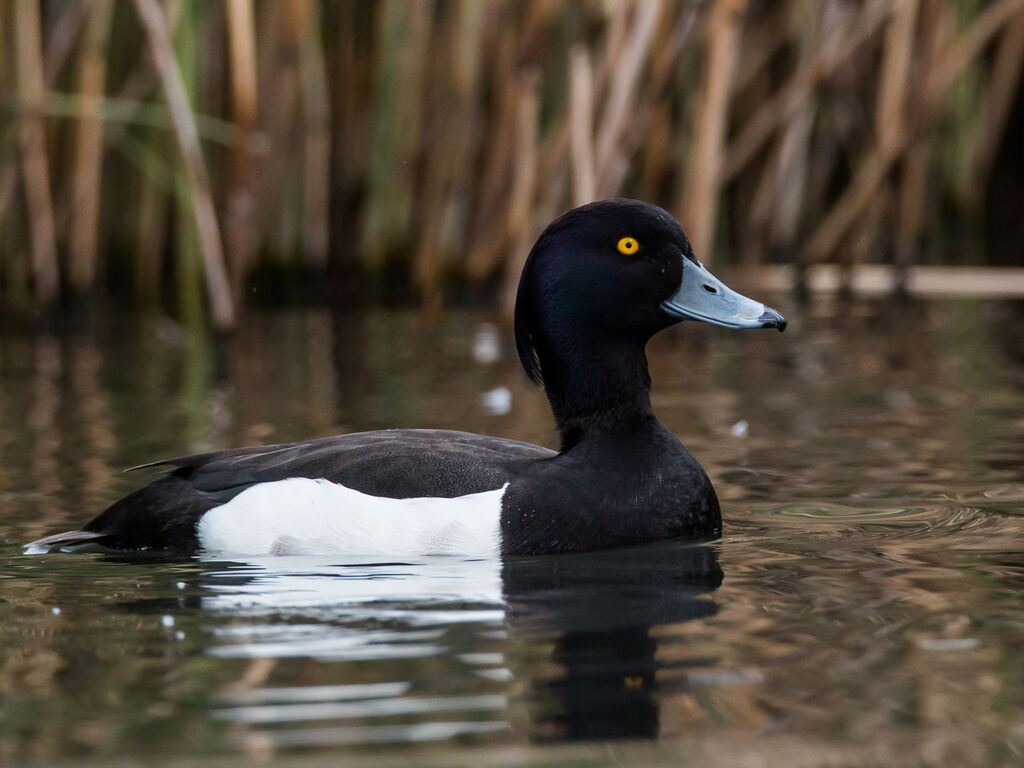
599, 282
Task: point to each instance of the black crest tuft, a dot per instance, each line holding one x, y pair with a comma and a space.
526, 347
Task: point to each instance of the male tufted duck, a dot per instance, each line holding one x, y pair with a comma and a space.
599, 282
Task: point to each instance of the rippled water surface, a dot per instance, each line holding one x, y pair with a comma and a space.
863, 608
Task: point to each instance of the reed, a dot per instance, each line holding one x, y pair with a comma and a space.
222, 307
423, 144
240, 194
581, 115
87, 172
317, 138
35, 165
706, 154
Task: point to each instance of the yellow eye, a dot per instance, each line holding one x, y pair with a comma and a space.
628, 246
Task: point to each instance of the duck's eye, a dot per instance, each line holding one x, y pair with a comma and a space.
628, 246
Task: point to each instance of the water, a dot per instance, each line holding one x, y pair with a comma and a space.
863, 608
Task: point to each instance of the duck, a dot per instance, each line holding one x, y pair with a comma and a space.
599, 282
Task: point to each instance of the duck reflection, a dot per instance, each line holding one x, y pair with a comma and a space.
579, 647
600, 679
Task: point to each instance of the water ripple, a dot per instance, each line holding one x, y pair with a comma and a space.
931, 522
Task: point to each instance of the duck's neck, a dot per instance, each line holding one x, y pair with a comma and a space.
600, 388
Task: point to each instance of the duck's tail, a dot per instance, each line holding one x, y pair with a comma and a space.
161, 515
61, 540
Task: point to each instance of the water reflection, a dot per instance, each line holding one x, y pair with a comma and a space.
599, 609
356, 588
579, 641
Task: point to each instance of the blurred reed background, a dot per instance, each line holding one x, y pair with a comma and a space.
184, 153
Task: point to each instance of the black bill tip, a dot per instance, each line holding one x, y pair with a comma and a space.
772, 319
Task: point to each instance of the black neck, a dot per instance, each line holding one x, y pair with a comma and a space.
600, 387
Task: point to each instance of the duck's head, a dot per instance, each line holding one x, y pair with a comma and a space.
605, 277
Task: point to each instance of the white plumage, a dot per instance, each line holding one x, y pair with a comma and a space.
299, 516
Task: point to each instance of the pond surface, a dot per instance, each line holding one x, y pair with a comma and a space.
864, 606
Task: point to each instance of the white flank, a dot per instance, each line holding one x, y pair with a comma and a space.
299, 516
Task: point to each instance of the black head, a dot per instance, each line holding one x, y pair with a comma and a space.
609, 275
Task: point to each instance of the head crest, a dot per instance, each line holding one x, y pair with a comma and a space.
526, 346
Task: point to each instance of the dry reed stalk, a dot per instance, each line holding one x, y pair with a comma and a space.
141, 79
317, 138
857, 194
88, 163
470, 20
890, 110
524, 182
537, 21
452, 133
352, 78
1003, 85
277, 74
581, 115
464, 140
892, 115
706, 156
778, 202
190, 297
404, 49
238, 235
555, 146
616, 20
779, 108
436, 132
764, 41
221, 303
621, 95
913, 179
58, 45
483, 249
34, 163
351, 59
487, 236
651, 129
792, 180
958, 54
953, 59
63, 31
658, 144
347, 89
